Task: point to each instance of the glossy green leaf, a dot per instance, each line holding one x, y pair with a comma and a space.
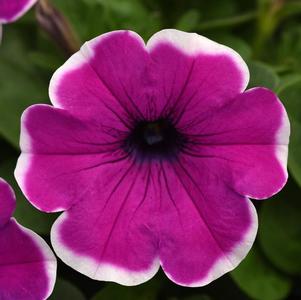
262, 75
64, 290
280, 230
259, 280
25, 213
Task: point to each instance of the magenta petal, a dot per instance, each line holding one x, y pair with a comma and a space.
206, 229
111, 234
61, 155
194, 74
107, 76
245, 143
27, 265
7, 202
10, 10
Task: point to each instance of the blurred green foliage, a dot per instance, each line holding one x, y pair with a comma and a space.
267, 33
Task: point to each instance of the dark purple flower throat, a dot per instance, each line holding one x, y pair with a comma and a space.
154, 139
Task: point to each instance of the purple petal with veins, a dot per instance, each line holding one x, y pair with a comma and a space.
152, 151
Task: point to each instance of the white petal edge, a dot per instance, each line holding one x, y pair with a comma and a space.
73, 63
282, 138
230, 260
281, 147
92, 268
24, 162
19, 14
50, 259
189, 43
193, 44
21, 172
282, 141
79, 59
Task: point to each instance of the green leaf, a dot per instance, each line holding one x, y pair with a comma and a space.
64, 290
189, 20
290, 9
288, 80
262, 75
280, 230
257, 278
224, 9
20, 85
288, 50
290, 96
146, 291
25, 213
231, 21
110, 15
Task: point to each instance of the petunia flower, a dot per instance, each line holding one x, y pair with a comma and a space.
27, 265
152, 152
11, 10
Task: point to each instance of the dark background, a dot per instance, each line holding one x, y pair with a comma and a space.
267, 33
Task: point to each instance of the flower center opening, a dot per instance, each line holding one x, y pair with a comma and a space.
154, 139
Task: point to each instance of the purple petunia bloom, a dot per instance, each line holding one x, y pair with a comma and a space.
11, 10
152, 151
27, 265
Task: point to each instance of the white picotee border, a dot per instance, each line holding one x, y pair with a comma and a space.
281, 144
74, 62
92, 268
49, 258
80, 58
24, 160
193, 44
190, 44
108, 272
230, 260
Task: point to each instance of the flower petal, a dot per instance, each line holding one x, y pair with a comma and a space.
206, 229
7, 202
245, 142
194, 73
108, 73
110, 235
61, 155
27, 265
11, 10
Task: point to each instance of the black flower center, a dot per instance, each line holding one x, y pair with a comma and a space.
154, 139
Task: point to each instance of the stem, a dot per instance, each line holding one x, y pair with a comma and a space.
56, 25
268, 21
